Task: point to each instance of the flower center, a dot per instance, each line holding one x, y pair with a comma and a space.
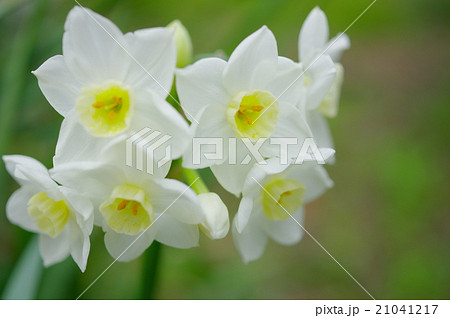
105, 110
279, 194
253, 114
49, 215
127, 210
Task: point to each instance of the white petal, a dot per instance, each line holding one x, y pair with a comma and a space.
291, 124
285, 232
75, 143
314, 177
320, 129
41, 181
153, 60
213, 128
232, 176
158, 115
124, 247
175, 233
286, 84
339, 44
58, 84
176, 199
31, 164
201, 84
252, 242
253, 63
255, 177
79, 245
17, 209
217, 222
243, 214
54, 250
313, 36
93, 47
31, 173
81, 204
322, 73
232, 172
330, 104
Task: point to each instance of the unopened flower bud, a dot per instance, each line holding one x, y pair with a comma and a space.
183, 43
217, 223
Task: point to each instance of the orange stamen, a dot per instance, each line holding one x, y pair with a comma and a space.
112, 115
117, 100
122, 205
257, 108
135, 208
98, 104
242, 110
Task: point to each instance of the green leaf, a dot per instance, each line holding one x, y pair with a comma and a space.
24, 280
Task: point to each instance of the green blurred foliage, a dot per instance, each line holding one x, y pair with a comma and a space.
386, 220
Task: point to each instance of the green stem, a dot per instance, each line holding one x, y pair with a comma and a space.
150, 271
194, 179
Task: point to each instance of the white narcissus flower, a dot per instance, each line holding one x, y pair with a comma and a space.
217, 222
62, 217
134, 208
252, 96
268, 193
107, 83
323, 87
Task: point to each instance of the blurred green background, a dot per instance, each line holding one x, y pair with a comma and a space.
387, 218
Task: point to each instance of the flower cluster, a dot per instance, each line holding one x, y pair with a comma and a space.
108, 86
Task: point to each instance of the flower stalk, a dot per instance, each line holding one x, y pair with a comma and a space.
194, 179
150, 270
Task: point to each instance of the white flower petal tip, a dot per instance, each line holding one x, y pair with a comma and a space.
251, 243
317, 16
313, 35
314, 38
264, 28
317, 9
253, 62
217, 222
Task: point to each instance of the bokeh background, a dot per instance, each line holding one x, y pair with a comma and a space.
387, 218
